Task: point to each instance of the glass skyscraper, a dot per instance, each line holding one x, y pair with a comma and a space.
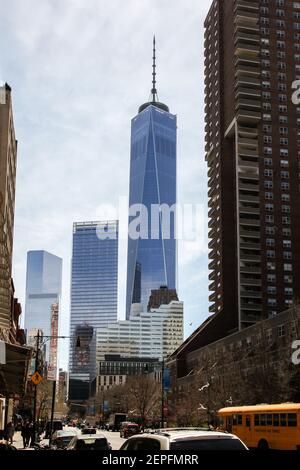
43, 291
94, 289
152, 258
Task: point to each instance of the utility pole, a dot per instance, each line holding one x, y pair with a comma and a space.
35, 387
162, 394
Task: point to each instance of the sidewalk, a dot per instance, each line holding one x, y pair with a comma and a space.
18, 441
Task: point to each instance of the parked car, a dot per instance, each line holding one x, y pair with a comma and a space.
129, 429
61, 439
184, 440
89, 442
88, 431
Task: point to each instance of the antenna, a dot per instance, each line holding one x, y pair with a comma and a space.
154, 90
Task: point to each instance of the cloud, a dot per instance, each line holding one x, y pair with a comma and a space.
79, 71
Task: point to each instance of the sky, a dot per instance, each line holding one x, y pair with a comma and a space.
79, 70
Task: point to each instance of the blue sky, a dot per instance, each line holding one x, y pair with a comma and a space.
79, 71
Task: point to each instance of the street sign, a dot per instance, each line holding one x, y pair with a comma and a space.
36, 378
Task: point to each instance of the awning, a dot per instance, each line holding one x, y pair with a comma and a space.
13, 373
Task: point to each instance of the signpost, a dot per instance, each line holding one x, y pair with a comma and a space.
36, 378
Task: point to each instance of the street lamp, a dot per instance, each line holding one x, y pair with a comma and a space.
45, 339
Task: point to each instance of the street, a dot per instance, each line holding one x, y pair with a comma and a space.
113, 438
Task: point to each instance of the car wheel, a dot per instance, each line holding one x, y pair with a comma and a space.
263, 445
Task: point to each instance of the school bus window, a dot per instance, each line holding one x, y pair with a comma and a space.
256, 420
234, 420
248, 421
239, 419
262, 421
283, 419
292, 420
275, 420
269, 420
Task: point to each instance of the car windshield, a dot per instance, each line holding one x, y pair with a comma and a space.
208, 444
92, 444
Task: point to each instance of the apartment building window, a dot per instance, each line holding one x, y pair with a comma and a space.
271, 266
288, 267
285, 186
285, 197
267, 128
270, 242
286, 209
286, 232
267, 106
271, 290
271, 278
285, 174
269, 196
272, 302
271, 254
288, 279
287, 244
270, 230
269, 219
266, 85
287, 255
282, 98
281, 76
284, 141
268, 172
268, 184
283, 130
281, 331
282, 87
265, 31
268, 162
269, 207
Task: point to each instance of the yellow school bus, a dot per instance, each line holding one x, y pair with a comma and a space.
264, 426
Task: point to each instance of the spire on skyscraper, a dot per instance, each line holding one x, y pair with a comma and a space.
154, 95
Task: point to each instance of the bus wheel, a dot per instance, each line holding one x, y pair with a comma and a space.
263, 445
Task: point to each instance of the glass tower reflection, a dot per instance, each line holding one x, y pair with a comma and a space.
152, 258
94, 286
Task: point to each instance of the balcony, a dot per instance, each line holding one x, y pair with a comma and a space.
250, 245
251, 306
250, 93
250, 270
248, 187
247, 104
248, 71
247, 81
246, 131
247, 153
249, 210
247, 51
248, 143
245, 257
250, 233
248, 198
248, 294
249, 281
212, 298
248, 6
212, 276
250, 222
247, 116
212, 287
246, 37
212, 308
246, 27
245, 17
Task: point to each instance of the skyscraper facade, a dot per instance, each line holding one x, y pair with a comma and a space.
152, 255
8, 163
252, 57
94, 289
43, 293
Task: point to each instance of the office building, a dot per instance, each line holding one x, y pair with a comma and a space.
154, 334
160, 296
252, 57
8, 163
152, 255
94, 287
43, 293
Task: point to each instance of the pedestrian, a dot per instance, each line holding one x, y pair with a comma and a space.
10, 430
23, 433
31, 435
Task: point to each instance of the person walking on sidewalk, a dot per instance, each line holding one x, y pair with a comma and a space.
10, 430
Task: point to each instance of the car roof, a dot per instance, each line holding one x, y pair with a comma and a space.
65, 433
91, 436
178, 435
